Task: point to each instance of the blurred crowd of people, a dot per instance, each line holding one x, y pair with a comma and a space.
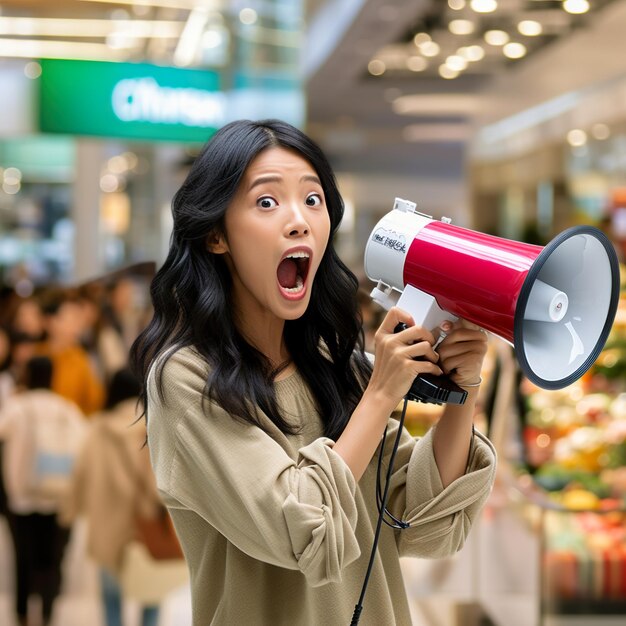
71, 445
64, 372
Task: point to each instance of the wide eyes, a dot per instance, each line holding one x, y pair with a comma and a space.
313, 200
267, 202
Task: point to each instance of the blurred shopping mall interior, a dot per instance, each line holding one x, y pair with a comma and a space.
506, 116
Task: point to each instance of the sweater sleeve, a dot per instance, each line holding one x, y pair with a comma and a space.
293, 513
440, 519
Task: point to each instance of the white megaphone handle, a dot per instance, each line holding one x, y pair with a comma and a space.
545, 303
423, 308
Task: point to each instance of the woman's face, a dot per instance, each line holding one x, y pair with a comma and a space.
276, 231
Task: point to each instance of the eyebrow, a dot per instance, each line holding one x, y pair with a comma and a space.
261, 180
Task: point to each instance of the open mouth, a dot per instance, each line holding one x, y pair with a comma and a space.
293, 271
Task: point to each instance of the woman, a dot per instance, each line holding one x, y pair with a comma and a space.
43, 433
112, 483
264, 413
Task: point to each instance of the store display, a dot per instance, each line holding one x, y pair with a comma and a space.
574, 444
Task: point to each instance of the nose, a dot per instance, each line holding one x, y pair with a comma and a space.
297, 225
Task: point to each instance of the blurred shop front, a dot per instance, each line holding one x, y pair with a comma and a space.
562, 453
91, 152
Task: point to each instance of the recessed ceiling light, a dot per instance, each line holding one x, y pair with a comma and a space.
576, 6
600, 131
429, 48
376, 67
447, 72
530, 28
496, 37
484, 6
421, 38
248, 16
472, 53
461, 27
514, 50
416, 64
456, 62
456, 5
32, 70
577, 137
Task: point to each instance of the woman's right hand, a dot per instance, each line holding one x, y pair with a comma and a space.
395, 367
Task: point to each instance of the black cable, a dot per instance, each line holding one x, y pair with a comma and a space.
381, 513
397, 523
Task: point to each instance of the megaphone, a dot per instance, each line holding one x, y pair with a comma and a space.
555, 304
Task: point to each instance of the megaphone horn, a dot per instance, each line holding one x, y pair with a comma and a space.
555, 304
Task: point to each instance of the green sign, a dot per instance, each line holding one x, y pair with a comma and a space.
131, 100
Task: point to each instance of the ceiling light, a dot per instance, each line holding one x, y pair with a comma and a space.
60, 27
168, 4
32, 70
189, 41
530, 28
436, 104
12, 175
416, 64
248, 16
429, 48
53, 49
447, 72
484, 6
600, 131
120, 41
461, 27
577, 137
514, 50
421, 38
496, 37
472, 53
212, 39
376, 67
456, 5
456, 62
576, 6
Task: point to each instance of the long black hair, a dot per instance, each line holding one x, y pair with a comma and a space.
191, 293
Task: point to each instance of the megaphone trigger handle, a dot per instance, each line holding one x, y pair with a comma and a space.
432, 389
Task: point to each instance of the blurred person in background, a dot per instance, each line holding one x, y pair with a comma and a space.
23, 347
112, 481
119, 325
7, 387
7, 383
90, 297
42, 432
25, 317
264, 413
75, 376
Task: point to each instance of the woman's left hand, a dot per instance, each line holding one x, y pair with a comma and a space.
462, 352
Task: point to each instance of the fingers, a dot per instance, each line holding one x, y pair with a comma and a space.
421, 350
462, 351
393, 318
414, 342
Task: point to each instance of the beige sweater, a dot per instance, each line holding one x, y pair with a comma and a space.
274, 528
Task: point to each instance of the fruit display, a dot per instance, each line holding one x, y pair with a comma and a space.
574, 450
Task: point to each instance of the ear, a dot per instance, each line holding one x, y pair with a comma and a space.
216, 243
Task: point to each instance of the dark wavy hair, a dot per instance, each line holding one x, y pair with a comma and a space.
191, 294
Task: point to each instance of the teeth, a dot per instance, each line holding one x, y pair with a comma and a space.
298, 255
297, 288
